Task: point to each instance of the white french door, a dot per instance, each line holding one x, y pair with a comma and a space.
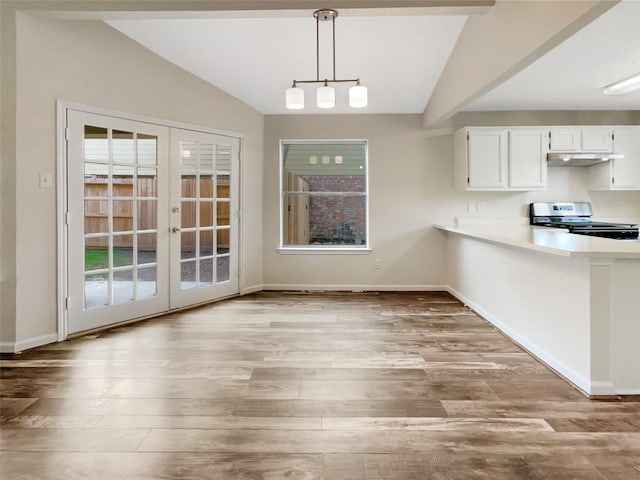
150, 224
204, 221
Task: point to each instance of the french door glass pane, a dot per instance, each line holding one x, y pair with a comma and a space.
147, 248
147, 150
223, 268
206, 214
96, 290
122, 144
96, 216
222, 241
206, 243
206, 271
188, 275
188, 245
147, 282
188, 215
147, 182
147, 215
96, 144
122, 286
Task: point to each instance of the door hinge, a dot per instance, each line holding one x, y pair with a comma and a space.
239, 270
467, 136
66, 218
613, 180
468, 180
66, 133
66, 303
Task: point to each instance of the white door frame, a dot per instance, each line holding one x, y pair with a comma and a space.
62, 287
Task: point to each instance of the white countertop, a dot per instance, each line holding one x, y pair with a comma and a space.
554, 241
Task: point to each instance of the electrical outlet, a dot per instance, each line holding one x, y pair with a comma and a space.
482, 207
378, 264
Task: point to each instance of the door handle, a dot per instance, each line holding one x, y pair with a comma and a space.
175, 229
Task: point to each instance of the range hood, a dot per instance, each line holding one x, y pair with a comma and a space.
579, 159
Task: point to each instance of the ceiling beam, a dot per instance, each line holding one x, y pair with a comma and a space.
124, 9
231, 5
494, 47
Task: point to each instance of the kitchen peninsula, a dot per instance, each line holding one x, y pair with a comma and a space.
573, 301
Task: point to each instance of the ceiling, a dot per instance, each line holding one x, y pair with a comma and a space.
572, 76
398, 58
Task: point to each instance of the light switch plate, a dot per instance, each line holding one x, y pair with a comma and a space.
46, 180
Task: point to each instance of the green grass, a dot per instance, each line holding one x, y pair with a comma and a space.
97, 258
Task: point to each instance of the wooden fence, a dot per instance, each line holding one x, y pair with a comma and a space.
96, 216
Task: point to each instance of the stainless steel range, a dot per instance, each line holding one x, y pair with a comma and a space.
576, 217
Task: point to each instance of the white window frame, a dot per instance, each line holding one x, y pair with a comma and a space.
323, 249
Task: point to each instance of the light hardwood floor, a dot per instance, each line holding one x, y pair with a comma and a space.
280, 385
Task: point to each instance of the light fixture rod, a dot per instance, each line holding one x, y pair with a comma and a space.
326, 80
333, 45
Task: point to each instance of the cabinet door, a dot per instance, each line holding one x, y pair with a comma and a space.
487, 157
564, 140
597, 140
625, 172
527, 159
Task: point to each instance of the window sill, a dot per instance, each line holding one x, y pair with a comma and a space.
338, 250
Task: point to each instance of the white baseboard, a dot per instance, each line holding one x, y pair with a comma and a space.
628, 391
14, 347
551, 361
353, 288
252, 289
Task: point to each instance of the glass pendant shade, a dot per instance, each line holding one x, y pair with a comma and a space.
358, 96
326, 97
295, 98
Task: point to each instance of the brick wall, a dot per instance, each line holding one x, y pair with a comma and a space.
337, 219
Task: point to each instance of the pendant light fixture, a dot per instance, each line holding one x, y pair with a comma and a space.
326, 95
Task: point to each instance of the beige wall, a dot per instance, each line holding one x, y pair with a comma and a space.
89, 63
411, 188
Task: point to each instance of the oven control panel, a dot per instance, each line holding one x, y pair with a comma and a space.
560, 209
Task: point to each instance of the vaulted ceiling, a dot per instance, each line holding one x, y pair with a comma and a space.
398, 54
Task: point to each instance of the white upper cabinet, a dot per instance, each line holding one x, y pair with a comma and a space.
527, 159
564, 140
597, 139
619, 173
580, 139
489, 158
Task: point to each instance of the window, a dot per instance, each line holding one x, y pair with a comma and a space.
324, 195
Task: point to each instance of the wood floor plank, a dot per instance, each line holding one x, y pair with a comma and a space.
209, 422
72, 440
389, 441
438, 424
346, 374
339, 408
455, 467
179, 466
306, 386
418, 389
